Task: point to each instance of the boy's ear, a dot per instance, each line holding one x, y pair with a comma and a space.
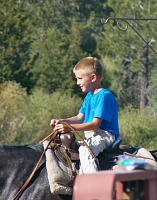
93, 77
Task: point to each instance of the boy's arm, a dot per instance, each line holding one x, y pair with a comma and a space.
71, 120
89, 126
78, 119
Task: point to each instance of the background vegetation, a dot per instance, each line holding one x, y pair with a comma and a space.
41, 41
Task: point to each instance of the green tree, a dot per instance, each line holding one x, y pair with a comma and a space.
132, 57
65, 32
15, 39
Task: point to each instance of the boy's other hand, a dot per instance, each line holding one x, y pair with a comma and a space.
54, 122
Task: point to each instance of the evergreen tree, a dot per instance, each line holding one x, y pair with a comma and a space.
133, 58
15, 39
65, 32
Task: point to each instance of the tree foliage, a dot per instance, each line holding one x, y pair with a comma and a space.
25, 118
138, 129
133, 58
41, 41
15, 40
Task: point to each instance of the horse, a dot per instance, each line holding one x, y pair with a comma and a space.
18, 162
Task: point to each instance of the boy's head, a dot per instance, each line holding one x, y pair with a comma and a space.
88, 66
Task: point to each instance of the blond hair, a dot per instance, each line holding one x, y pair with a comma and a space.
89, 65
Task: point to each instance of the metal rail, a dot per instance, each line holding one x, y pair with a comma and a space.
128, 24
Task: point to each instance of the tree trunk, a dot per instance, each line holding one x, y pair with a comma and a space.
144, 78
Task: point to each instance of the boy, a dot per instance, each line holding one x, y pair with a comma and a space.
97, 117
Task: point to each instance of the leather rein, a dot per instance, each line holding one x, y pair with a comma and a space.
51, 136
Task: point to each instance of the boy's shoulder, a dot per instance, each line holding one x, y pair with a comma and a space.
105, 91
101, 94
106, 94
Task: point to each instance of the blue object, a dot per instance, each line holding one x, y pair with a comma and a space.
116, 143
130, 163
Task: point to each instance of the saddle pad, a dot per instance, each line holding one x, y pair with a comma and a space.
58, 179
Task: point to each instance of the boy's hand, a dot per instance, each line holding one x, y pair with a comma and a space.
54, 122
62, 128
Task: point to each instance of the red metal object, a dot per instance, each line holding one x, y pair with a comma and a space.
108, 185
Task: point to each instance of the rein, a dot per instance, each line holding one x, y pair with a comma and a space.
51, 136
134, 155
19, 193
75, 133
79, 136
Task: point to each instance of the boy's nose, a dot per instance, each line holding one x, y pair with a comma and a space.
78, 82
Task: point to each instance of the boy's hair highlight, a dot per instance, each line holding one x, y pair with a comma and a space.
89, 65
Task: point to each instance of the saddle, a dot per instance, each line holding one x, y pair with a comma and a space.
69, 143
66, 147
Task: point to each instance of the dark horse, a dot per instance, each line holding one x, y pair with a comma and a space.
17, 163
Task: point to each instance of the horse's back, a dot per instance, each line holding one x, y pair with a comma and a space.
17, 163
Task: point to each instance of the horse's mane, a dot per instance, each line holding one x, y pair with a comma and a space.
37, 147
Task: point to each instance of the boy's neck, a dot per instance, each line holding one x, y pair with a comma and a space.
97, 88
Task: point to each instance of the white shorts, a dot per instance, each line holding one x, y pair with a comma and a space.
97, 142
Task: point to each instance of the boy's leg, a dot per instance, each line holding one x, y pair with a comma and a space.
100, 141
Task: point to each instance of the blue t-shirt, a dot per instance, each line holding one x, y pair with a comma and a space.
101, 105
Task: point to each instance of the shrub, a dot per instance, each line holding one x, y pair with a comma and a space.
25, 119
13, 106
42, 108
138, 128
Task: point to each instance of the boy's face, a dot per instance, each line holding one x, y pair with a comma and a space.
85, 82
